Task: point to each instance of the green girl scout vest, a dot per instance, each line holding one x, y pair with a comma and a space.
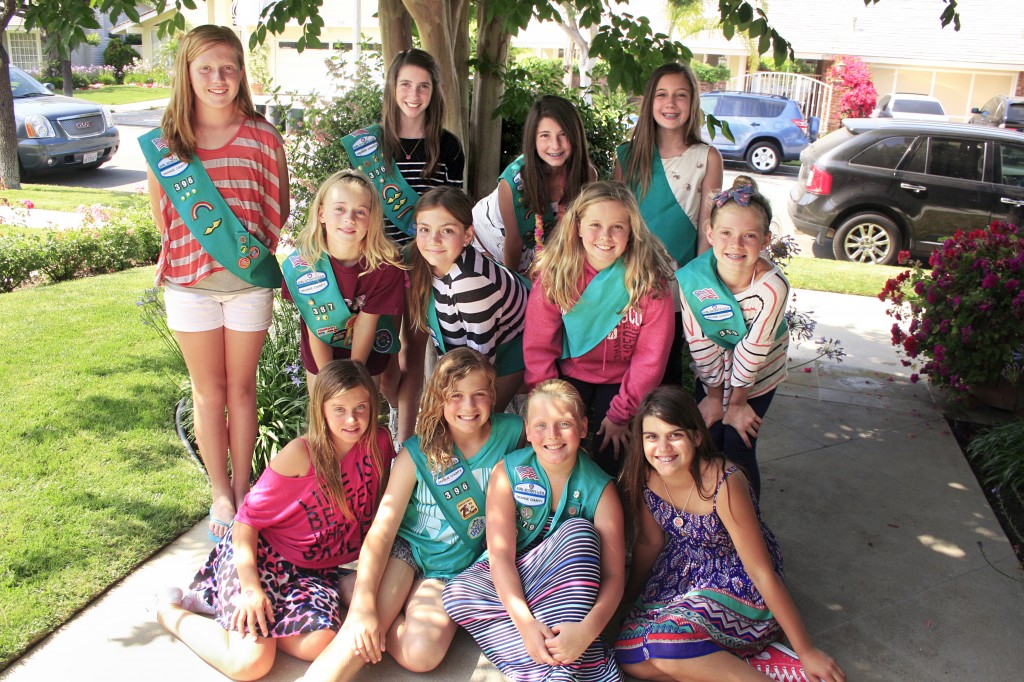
366, 153
531, 492
207, 216
513, 175
662, 212
318, 297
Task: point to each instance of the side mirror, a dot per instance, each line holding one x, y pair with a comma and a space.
49, 86
813, 127
975, 110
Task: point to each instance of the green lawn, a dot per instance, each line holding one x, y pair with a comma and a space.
92, 477
57, 198
820, 274
122, 94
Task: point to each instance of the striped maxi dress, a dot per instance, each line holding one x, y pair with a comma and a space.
561, 577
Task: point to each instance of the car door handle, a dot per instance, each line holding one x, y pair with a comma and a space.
913, 188
755, 125
1011, 202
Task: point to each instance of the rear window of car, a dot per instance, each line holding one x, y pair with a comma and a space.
771, 108
1016, 112
885, 153
737, 106
917, 106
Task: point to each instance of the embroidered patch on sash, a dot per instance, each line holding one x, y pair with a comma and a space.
467, 508
364, 146
476, 527
717, 312
169, 166
527, 473
383, 340
326, 330
529, 494
706, 295
573, 511
447, 477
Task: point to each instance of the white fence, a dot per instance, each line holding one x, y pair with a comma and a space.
813, 96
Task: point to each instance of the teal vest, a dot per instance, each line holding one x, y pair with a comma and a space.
459, 498
662, 212
207, 216
525, 217
597, 312
713, 305
318, 297
531, 493
365, 150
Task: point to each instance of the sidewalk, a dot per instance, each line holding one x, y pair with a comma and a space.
878, 515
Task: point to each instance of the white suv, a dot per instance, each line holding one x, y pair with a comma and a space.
906, 105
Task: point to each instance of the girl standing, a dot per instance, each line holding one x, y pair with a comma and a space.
734, 318
556, 553
600, 313
346, 278
713, 590
534, 190
274, 582
405, 155
672, 173
430, 525
460, 296
218, 189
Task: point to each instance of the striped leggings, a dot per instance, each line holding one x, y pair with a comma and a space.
561, 577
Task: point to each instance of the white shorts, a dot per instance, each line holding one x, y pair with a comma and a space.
248, 311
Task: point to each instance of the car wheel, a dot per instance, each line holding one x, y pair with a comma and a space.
764, 157
867, 238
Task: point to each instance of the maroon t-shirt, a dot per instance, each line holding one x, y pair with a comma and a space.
380, 292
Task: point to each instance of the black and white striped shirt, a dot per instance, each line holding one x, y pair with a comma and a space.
479, 304
449, 171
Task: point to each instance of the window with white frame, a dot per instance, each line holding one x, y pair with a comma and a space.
25, 50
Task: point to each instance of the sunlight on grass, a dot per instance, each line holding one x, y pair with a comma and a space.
57, 198
820, 274
122, 94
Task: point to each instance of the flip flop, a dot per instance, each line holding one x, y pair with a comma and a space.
227, 526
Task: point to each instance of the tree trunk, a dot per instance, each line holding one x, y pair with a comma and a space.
459, 26
9, 173
65, 74
395, 29
492, 45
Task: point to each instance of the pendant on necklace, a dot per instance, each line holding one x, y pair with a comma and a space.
678, 522
675, 175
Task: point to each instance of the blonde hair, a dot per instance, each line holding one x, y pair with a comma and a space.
435, 437
562, 391
377, 248
433, 116
643, 143
458, 205
338, 377
177, 121
560, 263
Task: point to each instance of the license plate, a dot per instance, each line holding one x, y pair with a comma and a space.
89, 157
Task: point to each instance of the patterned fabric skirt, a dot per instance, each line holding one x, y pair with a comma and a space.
701, 622
561, 577
304, 599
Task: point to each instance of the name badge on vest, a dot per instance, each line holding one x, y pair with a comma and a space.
530, 494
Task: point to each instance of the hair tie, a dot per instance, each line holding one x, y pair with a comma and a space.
741, 195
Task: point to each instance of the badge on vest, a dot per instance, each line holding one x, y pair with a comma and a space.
448, 476
705, 295
364, 146
312, 283
717, 312
476, 528
467, 508
527, 473
529, 494
383, 340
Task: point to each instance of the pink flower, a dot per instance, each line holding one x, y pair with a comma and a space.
28, 204
914, 378
991, 280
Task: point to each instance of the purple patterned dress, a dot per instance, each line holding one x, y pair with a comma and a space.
699, 599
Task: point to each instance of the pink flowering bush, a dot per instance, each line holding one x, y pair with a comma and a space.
962, 322
851, 80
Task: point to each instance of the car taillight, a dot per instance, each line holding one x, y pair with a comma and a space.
818, 181
801, 124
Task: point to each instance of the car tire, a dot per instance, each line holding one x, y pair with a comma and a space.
867, 238
764, 157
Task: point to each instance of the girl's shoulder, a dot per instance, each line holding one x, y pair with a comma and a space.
262, 128
293, 460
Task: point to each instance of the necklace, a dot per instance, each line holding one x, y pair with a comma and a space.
408, 155
678, 520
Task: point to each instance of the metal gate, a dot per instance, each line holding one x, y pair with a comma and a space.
813, 96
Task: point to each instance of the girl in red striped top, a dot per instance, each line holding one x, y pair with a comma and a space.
220, 320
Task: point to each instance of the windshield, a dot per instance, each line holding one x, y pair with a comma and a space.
24, 85
917, 106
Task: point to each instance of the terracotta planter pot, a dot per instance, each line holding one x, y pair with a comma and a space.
1001, 394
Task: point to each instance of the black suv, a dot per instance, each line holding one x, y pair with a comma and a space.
878, 186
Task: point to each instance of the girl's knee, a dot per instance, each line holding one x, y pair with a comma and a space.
584, 534
250, 663
422, 651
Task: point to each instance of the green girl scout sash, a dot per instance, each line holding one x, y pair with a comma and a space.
513, 175
531, 491
207, 216
662, 212
459, 498
714, 307
318, 297
597, 312
366, 152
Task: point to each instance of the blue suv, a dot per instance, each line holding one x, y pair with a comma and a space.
767, 129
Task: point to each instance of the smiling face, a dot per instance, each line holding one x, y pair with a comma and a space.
413, 91
553, 146
216, 76
441, 238
553, 431
672, 101
468, 408
737, 237
345, 215
604, 229
667, 447
348, 416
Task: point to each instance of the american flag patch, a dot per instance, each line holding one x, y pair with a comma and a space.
706, 295
526, 473
160, 144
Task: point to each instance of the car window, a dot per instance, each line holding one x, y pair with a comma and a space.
1011, 163
918, 158
771, 108
22, 85
883, 103
737, 106
1016, 112
917, 106
885, 153
707, 104
952, 158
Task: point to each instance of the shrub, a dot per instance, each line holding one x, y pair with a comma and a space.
66, 253
143, 72
120, 56
19, 257
853, 87
999, 453
710, 74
